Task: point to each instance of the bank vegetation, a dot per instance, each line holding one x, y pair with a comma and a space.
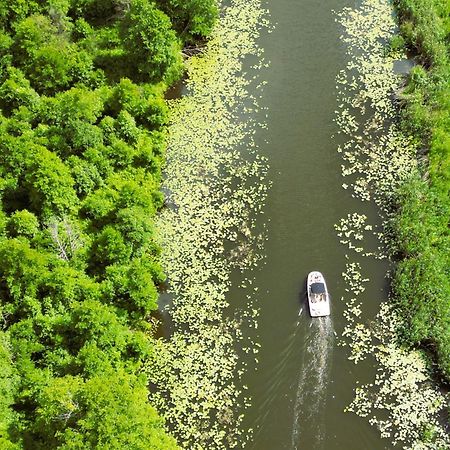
82, 140
422, 279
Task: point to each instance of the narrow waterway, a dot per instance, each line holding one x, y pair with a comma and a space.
304, 380
327, 129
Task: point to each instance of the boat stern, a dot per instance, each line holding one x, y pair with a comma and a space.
319, 310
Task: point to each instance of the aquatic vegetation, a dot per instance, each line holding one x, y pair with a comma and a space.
355, 334
353, 230
402, 401
379, 158
215, 184
354, 279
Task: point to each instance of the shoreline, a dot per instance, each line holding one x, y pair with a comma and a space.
422, 283
379, 157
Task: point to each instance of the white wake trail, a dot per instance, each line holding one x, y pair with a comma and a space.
313, 381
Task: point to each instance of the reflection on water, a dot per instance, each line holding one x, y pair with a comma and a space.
313, 381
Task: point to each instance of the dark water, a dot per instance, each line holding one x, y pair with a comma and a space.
304, 380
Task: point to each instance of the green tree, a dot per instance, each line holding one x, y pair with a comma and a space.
134, 285
108, 412
82, 128
8, 387
99, 12
108, 248
152, 45
50, 185
193, 19
16, 91
85, 175
22, 270
12, 11
47, 57
144, 103
23, 223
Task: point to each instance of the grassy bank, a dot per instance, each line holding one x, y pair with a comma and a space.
83, 126
422, 280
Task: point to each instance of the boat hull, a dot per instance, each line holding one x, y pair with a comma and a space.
318, 296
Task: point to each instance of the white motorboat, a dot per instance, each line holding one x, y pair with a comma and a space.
318, 297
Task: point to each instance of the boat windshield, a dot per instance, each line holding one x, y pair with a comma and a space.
318, 293
318, 288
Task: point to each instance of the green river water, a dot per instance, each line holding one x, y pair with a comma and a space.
304, 380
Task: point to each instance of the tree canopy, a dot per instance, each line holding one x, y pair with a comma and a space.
82, 125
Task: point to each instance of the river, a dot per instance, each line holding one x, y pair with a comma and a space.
304, 379
216, 349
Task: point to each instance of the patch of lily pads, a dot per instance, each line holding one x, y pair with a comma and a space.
402, 401
216, 185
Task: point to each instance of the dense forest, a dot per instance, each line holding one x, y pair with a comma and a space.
422, 280
82, 127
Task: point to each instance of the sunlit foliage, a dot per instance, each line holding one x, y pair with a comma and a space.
191, 18
82, 125
422, 279
151, 44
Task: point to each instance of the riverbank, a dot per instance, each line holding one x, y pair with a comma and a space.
422, 278
83, 128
